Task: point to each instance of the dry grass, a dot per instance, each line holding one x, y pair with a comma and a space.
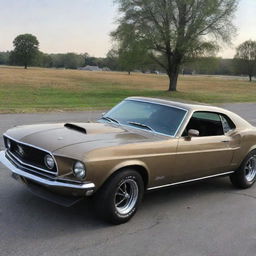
38, 89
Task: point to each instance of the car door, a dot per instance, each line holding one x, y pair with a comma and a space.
211, 152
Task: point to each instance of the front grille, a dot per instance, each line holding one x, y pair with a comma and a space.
28, 156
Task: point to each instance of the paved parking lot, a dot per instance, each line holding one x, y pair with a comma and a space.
207, 218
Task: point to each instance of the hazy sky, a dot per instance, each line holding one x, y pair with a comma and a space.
84, 25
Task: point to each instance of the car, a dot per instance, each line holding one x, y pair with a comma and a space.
141, 144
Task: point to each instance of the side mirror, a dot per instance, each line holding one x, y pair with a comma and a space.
193, 133
102, 114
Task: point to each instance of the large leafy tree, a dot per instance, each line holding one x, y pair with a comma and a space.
132, 56
175, 30
245, 59
25, 49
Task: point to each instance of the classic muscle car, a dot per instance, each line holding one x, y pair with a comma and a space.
141, 144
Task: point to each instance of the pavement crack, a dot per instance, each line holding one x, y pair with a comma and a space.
243, 194
156, 223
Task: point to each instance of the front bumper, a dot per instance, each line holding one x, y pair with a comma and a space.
79, 189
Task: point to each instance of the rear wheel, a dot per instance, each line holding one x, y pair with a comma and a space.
245, 177
119, 198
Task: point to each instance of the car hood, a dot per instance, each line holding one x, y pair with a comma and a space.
54, 137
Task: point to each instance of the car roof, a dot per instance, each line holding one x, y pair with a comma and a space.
239, 121
185, 106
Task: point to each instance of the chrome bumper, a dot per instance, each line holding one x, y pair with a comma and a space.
87, 187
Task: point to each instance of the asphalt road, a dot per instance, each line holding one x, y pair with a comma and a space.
207, 218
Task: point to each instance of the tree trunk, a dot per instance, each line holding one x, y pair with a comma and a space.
173, 77
26, 66
250, 78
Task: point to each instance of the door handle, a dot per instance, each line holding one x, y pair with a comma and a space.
225, 141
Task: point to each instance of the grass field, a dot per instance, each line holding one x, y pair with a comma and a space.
38, 89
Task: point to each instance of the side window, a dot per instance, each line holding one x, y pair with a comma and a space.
207, 123
227, 124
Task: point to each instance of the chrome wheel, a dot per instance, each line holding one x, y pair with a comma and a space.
250, 169
126, 196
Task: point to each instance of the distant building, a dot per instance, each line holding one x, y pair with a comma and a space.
90, 68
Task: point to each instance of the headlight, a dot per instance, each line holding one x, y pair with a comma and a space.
49, 162
79, 170
8, 144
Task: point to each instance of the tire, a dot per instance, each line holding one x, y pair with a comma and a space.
119, 198
245, 177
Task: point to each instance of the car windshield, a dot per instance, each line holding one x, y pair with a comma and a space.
147, 116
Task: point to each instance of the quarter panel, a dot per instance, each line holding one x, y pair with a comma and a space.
248, 143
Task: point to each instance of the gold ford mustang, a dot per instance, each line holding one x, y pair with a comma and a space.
141, 144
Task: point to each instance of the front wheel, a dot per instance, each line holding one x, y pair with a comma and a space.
118, 199
245, 177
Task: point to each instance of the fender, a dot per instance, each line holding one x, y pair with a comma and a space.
127, 164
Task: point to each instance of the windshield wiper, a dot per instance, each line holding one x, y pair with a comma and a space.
142, 126
110, 119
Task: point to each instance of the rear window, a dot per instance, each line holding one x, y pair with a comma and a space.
227, 124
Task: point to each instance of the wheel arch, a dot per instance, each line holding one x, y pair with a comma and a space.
138, 166
252, 148
245, 154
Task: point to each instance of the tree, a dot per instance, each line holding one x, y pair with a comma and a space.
132, 56
4, 58
45, 60
176, 29
73, 60
111, 60
245, 59
25, 49
90, 60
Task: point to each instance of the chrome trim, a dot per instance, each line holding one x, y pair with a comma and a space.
185, 123
33, 146
11, 155
157, 103
181, 123
47, 182
187, 181
207, 150
208, 111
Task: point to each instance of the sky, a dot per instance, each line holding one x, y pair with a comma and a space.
84, 25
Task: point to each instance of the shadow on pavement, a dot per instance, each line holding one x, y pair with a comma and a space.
29, 213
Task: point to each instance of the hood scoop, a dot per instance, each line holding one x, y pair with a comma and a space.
75, 127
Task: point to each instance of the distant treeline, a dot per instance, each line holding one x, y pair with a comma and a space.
211, 66
205, 65
60, 60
